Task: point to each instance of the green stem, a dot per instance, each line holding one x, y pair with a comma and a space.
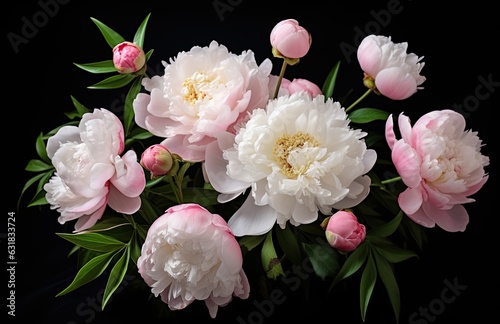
395, 179
359, 99
280, 78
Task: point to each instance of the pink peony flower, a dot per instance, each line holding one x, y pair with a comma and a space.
442, 166
290, 39
128, 57
190, 254
90, 173
203, 91
157, 160
388, 68
288, 87
344, 232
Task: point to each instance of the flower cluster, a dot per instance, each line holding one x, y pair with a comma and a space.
217, 160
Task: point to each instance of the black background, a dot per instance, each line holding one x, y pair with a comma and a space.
459, 45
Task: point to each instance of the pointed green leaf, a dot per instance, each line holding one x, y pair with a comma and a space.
38, 166
41, 149
288, 244
141, 32
313, 229
111, 37
367, 284
29, 183
250, 241
352, 264
366, 115
392, 252
128, 112
93, 241
270, 260
388, 228
107, 224
106, 66
386, 274
116, 276
323, 258
329, 84
81, 109
135, 248
113, 82
147, 211
89, 271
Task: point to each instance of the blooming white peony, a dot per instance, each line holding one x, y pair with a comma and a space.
190, 254
442, 165
395, 72
202, 92
90, 173
299, 156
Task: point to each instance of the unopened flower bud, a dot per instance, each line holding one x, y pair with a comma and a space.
157, 159
128, 58
344, 232
290, 40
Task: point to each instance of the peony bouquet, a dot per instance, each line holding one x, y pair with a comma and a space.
219, 177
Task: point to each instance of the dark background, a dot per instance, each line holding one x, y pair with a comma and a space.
459, 45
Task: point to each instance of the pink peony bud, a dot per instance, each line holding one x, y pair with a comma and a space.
297, 85
128, 57
157, 160
290, 39
343, 231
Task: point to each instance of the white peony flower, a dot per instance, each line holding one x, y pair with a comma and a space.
90, 173
202, 92
299, 156
190, 254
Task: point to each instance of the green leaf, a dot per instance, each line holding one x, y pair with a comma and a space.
113, 82
38, 166
270, 260
386, 274
135, 248
388, 228
288, 244
29, 183
116, 276
366, 115
147, 211
81, 109
204, 197
250, 241
329, 84
141, 32
323, 258
106, 66
107, 224
313, 229
89, 271
111, 37
367, 284
128, 110
352, 264
94, 241
392, 252
41, 149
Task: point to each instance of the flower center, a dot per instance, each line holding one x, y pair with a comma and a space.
195, 88
288, 143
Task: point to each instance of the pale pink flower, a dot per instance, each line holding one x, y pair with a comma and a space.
157, 160
288, 87
442, 166
191, 254
203, 91
395, 73
344, 232
128, 57
90, 173
298, 157
290, 39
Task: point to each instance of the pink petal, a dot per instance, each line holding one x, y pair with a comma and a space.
132, 183
410, 200
121, 203
452, 220
395, 83
390, 136
87, 221
369, 56
407, 163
